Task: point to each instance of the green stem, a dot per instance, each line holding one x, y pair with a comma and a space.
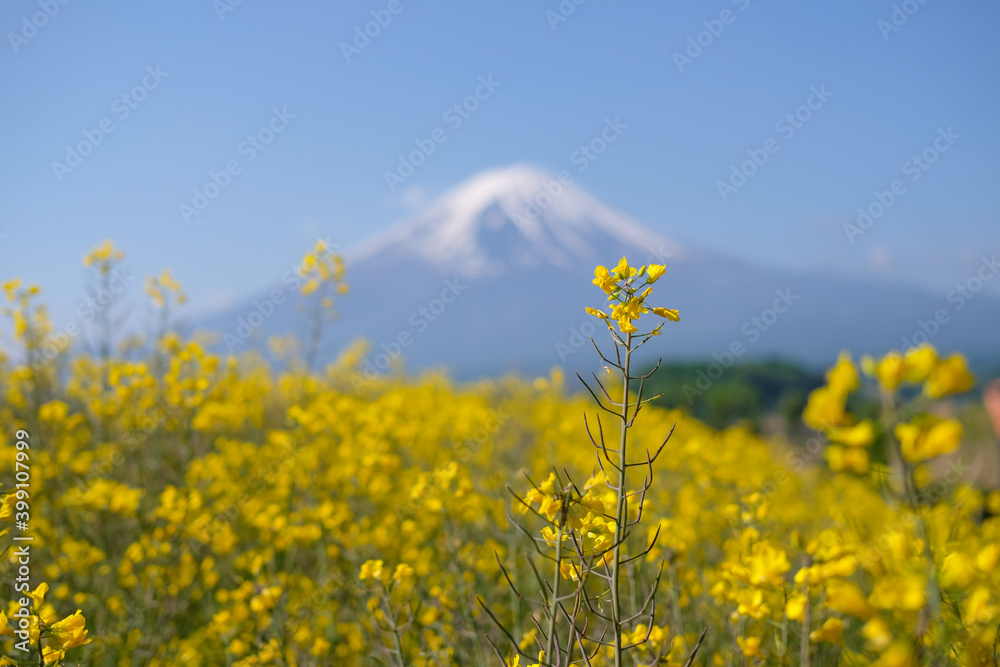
933, 606
806, 622
550, 640
104, 420
397, 643
622, 513
105, 337
515, 602
317, 330
675, 602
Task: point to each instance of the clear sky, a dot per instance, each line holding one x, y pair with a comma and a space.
218, 75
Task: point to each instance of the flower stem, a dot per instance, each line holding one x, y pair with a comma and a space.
396, 642
622, 512
316, 331
554, 602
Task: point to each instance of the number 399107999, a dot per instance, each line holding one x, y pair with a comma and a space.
22, 473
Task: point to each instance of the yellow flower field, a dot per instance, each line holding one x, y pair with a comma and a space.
190, 508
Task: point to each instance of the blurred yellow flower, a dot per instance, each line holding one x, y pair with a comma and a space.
891, 370
103, 255
907, 592
160, 288
824, 408
371, 569
750, 646
926, 437
309, 286
847, 598
851, 459
899, 654
795, 607
920, 361
843, 376
949, 376
859, 435
10, 287
831, 631
876, 631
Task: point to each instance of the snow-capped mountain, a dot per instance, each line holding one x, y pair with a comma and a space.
511, 219
494, 275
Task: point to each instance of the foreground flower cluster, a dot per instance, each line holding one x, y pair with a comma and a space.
202, 509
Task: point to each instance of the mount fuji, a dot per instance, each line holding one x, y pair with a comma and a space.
493, 276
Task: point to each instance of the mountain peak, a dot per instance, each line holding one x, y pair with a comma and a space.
513, 217
516, 183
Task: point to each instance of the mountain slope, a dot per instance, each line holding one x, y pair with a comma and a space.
494, 275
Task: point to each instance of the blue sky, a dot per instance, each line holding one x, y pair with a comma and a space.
223, 73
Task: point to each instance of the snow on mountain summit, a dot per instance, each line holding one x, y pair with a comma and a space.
493, 277
512, 218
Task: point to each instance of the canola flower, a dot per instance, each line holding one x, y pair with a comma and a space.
222, 511
164, 288
104, 256
323, 275
37, 636
623, 291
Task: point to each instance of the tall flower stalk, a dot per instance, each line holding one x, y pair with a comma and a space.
587, 533
323, 272
627, 289
105, 259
